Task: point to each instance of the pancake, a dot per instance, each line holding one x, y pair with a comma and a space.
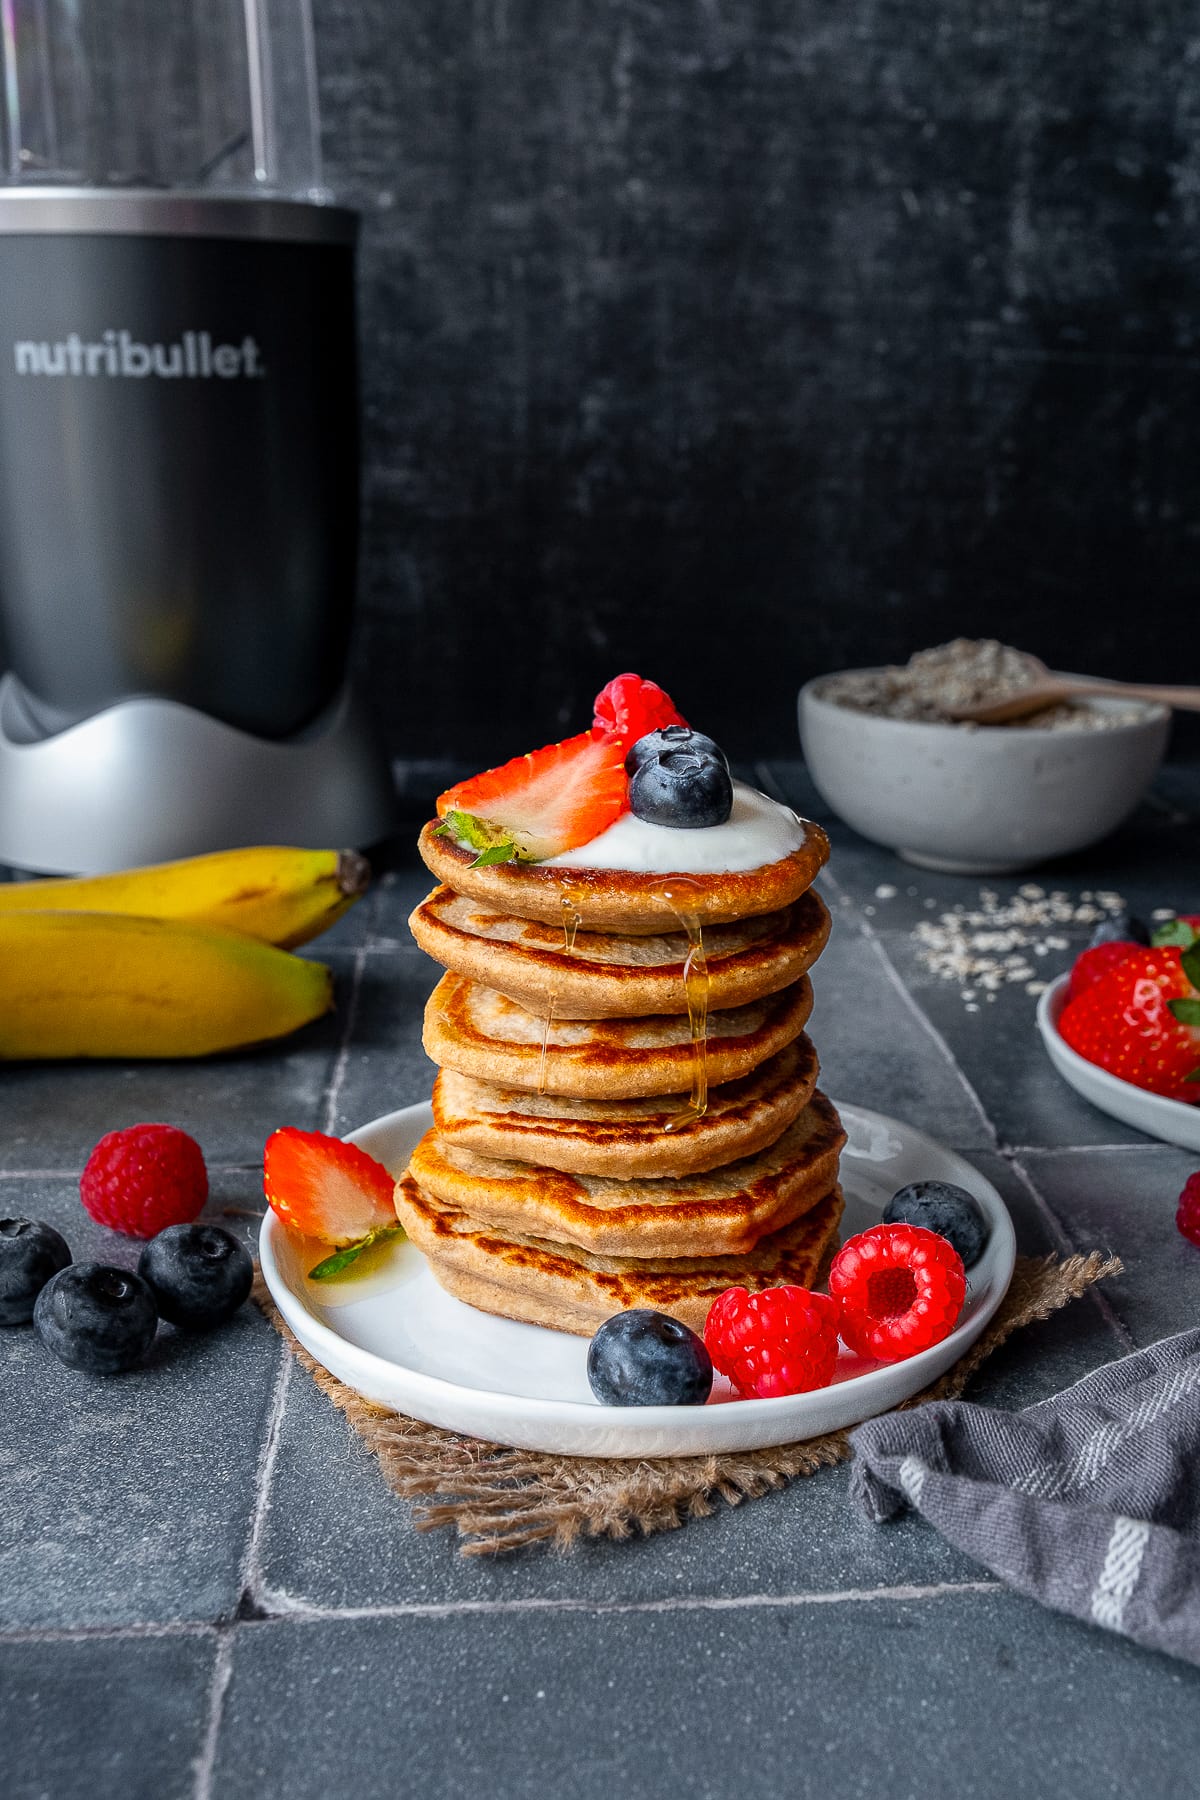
479, 1032
623, 900
627, 1137
723, 1212
573, 1290
603, 976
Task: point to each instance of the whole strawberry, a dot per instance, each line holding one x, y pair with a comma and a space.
1139, 1021
1187, 1217
144, 1178
782, 1341
1092, 963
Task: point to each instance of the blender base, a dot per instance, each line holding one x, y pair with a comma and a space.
148, 780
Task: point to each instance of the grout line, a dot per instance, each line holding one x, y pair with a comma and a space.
207, 1756
265, 1476
74, 1174
83, 1634
214, 1168
1054, 1225
896, 980
342, 1061
1089, 1149
40, 1174
282, 1610
392, 946
764, 774
769, 782
1058, 1230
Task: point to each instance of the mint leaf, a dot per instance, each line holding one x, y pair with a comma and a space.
1174, 932
341, 1259
469, 830
1186, 1011
1194, 1076
495, 843
497, 853
1191, 964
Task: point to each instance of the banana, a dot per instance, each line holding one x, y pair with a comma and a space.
103, 984
279, 895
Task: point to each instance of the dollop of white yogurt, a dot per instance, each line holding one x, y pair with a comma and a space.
758, 830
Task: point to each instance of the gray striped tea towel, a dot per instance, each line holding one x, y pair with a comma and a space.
1089, 1501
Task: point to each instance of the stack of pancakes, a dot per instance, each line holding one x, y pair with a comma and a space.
570, 1173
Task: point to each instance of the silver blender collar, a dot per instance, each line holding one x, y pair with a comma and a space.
175, 212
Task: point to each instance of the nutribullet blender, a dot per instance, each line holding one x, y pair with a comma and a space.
178, 441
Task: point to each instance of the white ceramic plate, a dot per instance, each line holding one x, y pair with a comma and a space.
397, 1338
1174, 1121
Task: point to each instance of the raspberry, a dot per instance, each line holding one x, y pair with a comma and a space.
900, 1287
782, 1341
1188, 1216
143, 1179
629, 707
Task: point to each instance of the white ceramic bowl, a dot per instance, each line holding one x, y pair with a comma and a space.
987, 800
1173, 1121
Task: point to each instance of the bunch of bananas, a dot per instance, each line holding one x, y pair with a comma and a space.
181, 959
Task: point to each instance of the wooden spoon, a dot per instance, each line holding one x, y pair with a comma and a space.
1050, 688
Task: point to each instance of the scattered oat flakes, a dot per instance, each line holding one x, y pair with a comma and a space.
996, 943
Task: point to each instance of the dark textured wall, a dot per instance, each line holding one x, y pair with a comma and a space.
735, 340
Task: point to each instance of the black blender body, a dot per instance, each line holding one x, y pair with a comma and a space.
178, 453
178, 441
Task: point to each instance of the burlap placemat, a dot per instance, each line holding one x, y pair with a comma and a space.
499, 1499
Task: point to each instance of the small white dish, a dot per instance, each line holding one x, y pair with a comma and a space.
396, 1337
1172, 1121
985, 800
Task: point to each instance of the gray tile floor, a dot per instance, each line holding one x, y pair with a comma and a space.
207, 1591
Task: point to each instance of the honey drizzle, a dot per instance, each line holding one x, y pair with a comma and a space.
571, 922
696, 990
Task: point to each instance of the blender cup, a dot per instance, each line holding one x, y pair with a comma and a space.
178, 440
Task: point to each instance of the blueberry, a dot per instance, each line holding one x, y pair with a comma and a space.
673, 737
644, 1358
681, 788
940, 1206
199, 1275
95, 1318
1121, 928
30, 1253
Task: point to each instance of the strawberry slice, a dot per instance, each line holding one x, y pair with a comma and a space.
630, 708
326, 1188
1139, 1021
537, 805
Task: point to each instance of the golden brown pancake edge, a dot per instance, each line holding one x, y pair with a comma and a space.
623, 900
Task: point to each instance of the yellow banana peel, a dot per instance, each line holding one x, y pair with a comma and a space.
105, 985
280, 895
